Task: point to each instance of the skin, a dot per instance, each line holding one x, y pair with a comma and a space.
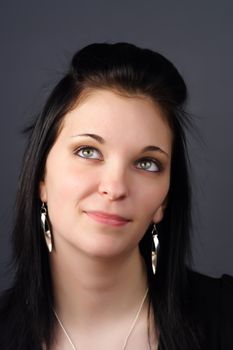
96, 257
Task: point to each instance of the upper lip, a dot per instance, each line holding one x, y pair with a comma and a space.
108, 215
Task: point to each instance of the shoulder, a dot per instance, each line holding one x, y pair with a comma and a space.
212, 307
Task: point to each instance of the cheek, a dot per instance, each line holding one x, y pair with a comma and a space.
65, 190
153, 196
68, 184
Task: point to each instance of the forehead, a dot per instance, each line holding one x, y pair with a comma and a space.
114, 116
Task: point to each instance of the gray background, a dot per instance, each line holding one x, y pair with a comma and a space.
37, 41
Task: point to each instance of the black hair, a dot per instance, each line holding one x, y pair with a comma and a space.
129, 70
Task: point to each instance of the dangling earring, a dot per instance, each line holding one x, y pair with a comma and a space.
154, 248
46, 227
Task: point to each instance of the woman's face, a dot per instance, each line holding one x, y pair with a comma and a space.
107, 175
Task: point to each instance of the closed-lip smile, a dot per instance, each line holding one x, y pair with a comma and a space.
107, 218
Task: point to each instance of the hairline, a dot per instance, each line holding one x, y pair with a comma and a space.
118, 90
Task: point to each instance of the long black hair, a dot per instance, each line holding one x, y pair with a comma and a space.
130, 70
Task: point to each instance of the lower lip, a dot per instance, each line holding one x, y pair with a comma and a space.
107, 220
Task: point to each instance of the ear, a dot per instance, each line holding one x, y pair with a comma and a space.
42, 191
158, 215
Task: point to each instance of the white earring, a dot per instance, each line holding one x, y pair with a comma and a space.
154, 248
46, 227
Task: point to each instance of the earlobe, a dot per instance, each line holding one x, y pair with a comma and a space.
42, 191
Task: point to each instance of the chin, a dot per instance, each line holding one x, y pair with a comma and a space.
106, 249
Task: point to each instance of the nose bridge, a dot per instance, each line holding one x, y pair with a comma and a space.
113, 181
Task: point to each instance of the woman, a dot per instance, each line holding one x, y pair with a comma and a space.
104, 173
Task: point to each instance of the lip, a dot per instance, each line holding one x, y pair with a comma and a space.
108, 219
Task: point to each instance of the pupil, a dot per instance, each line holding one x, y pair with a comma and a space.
87, 152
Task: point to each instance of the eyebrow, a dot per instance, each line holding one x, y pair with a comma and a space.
94, 136
154, 149
102, 141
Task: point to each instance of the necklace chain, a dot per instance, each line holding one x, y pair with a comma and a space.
128, 334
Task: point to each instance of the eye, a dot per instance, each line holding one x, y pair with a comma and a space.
88, 152
148, 164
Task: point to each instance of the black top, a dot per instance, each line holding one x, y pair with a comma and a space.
212, 305
212, 301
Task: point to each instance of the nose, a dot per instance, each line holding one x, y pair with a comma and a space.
113, 184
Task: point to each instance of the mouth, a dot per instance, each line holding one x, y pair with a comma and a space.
107, 219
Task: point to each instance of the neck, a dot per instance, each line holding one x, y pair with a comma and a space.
90, 291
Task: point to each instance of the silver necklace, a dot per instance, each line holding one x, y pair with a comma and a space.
127, 336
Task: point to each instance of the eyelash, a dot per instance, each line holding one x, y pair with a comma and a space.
146, 159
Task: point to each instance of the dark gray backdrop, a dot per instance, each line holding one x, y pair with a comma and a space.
37, 41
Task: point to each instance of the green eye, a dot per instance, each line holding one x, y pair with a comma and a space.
88, 152
148, 165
